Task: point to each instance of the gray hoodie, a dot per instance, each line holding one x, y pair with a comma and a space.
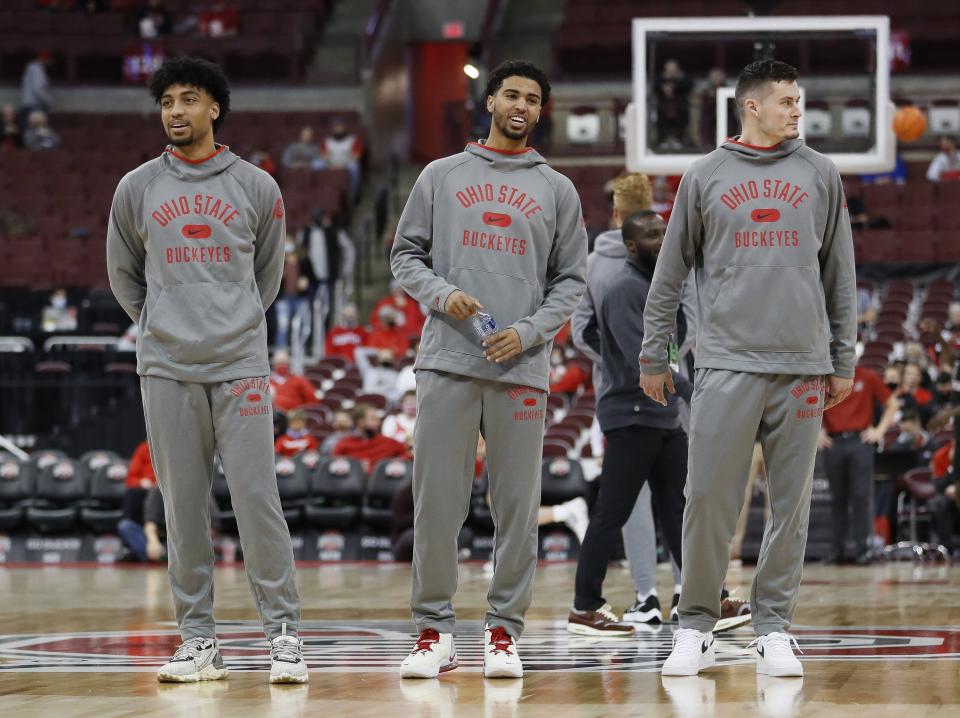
504, 228
194, 256
768, 234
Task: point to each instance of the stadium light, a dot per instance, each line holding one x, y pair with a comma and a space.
471, 71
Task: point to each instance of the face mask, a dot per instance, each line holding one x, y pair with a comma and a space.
892, 385
281, 370
59, 302
289, 247
296, 433
370, 433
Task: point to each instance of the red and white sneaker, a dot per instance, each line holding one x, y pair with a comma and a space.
433, 654
500, 659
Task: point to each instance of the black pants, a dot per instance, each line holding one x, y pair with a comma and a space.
849, 467
634, 455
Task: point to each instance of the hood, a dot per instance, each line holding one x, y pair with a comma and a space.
752, 153
195, 170
504, 160
610, 244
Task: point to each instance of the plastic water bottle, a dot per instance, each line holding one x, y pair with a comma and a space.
484, 325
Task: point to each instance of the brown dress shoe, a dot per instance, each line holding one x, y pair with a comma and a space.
602, 622
733, 613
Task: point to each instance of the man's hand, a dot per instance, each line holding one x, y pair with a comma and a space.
652, 385
838, 389
873, 435
503, 345
461, 305
154, 550
823, 440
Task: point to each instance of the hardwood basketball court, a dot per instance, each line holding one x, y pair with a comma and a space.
881, 640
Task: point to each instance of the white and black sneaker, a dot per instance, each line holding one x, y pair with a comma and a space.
197, 659
647, 611
775, 656
286, 659
693, 651
675, 609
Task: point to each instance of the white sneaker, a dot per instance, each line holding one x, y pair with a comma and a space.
286, 659
578, 517
775, 655
692, 652
500, 659
433, 654
197, 659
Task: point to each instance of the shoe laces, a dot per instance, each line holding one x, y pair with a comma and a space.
688, 638
777, 642
425, 641
190, 649
606, 610
286, 648
501, 640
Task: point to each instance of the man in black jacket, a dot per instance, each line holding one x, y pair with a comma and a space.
644, 439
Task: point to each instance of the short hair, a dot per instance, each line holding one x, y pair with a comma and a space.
632, 224
360, 411
196, 72
519, 68
754, 76
632, 193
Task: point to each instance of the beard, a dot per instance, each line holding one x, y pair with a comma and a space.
502, 121
181, 141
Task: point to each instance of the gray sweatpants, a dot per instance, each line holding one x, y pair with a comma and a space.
640, 545
730, 411
452, 411
186, 424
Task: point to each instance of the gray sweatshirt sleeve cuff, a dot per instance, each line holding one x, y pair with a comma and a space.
648, 366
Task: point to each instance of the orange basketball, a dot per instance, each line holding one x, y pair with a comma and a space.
909, 123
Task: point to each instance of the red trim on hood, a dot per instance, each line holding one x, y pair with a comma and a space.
502, 152
199, 161
754, 147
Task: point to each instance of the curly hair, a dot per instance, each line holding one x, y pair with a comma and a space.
518, 68
755, 75
196, 72
632, 193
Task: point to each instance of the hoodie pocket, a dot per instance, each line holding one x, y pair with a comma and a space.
769, 309
207, 322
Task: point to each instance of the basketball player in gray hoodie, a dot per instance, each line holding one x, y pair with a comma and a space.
494, 230
195, 254
763, 222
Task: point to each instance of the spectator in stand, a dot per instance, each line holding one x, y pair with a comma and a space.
332, 256
913, 397
11, 138
565, 378
289, 390
400, 426
407, 380
342, 149
366, 443
938, 352
866, 311
294, 291
912, 437
378, 367
303, 153
942, 394
342, 425
952, 327
35, 85
153, 20
893, 377
410, 310
146, 542
58, 315
344, 338
673, 106
140, 479
716, 79
221, 20
946, 164
944, 506
389, 335
848, 439
296, 438
263, 160
39, 135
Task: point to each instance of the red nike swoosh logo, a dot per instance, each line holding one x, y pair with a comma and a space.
196, 231
496, 219
765, 215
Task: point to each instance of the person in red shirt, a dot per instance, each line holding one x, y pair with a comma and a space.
565, 378
345, 337
297, 438
912, 395
390, 335
848, 437
944, 506
413, 318
289, 390
366, 443
140, 479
